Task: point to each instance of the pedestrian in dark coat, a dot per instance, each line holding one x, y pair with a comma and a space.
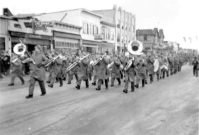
195, 64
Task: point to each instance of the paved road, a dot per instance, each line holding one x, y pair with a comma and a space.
166, 107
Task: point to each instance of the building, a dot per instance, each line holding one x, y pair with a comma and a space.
107, 36
87, 20
125, 24
151, 38
31, 32
4, 35
66, 37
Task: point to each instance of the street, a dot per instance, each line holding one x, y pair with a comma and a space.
166, 107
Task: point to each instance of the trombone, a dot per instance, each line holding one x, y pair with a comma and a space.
96, 62
52, 60
76, 62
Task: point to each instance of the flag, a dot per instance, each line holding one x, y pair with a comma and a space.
184, 39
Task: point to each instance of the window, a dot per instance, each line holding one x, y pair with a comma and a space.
17, 26
145, 37
95, 30
85, 28
92, 29
2, 43
28, 25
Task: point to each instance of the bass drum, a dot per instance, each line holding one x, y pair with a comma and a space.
156, 65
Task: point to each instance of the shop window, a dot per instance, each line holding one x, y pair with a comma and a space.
17, 26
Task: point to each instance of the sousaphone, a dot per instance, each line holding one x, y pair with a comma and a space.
135, 47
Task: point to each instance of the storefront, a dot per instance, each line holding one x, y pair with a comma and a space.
66, 42
30, 40
91, 46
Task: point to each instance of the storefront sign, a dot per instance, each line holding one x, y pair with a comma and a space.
41, 25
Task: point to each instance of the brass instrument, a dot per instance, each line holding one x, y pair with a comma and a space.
52, 60
139, 63
13, 61
96, 62
20, 49
76, 62
129, 63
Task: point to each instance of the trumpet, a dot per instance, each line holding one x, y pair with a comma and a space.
96, 62
76, 62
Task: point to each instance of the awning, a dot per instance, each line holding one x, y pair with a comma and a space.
108, 44
90, 43
67, 35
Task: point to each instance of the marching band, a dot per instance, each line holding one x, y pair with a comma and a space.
134, 66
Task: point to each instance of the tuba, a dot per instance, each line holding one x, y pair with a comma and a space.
20, 49
135, 48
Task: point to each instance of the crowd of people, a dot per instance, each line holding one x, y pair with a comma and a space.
100, 69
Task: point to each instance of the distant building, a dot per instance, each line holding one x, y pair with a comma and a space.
151, 38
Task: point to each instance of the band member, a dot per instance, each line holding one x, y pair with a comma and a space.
150, 67
73, 71
102, 72
82, 71
140, 69
115, 72
37, 71
56, 72
16, 69
129, 73
94, 71
195, 64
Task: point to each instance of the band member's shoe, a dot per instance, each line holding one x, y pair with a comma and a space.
11, 84
145, 81
69, 82
29, 96
125, 91
50, 85
137, 86
47, 81
43, 94
112, 85
77, 87
98, 88
94, 83
132, 87
64, 78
